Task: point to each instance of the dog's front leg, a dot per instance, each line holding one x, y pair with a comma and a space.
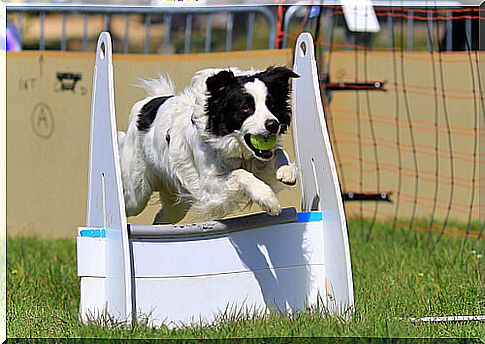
258, 191
286, 172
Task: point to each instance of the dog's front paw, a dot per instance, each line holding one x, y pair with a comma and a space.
268, 202
287, 174
271, 206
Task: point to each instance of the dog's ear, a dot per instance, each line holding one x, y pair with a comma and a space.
278, 75
217, 83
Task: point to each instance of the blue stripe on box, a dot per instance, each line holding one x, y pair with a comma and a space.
93, 233
310, 216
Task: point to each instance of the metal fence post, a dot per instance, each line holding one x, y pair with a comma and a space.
85, 33
208, 34
229, 29
250, 32
64, 33
42, 31
188, 33
429, 24
146, 47
126, 41
410, 27
167, 21
449, 32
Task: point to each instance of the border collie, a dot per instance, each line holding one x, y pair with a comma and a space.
195, 149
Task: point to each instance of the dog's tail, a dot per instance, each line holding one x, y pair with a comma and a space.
121, 138
161, 86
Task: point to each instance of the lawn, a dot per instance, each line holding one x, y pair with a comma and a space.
395, 276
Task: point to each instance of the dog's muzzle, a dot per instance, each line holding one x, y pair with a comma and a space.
272, 125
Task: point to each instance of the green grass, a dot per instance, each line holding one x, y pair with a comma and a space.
393, 277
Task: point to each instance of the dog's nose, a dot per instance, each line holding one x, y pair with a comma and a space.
272, 126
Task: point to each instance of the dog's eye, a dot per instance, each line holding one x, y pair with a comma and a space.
246, 108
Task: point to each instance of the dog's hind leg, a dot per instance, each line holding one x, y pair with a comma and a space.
171, 212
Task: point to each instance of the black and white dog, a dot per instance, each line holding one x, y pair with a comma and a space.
193, 148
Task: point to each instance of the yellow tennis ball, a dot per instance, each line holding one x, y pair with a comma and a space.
263, 143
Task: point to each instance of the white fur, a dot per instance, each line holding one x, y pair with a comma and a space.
213, 175
163, 85
255, 123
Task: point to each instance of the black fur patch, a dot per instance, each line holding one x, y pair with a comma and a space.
148, 112
229, 105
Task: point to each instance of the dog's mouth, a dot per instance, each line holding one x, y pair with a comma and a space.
261, 154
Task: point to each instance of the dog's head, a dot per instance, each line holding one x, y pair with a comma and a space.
245, 105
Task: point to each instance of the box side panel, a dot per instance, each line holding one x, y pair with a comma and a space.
192, 300
93, 298
282, 246
91, 259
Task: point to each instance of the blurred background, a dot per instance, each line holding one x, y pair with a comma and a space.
190, 29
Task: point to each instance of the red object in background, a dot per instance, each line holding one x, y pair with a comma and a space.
279, 24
